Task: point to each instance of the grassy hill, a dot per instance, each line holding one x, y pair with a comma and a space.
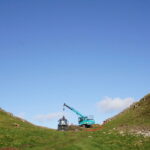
135, 118
18, 134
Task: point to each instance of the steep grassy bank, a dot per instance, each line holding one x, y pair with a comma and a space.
136, 117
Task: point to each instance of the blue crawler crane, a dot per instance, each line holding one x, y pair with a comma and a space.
84, 121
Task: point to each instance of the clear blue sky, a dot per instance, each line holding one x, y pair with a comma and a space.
73, 51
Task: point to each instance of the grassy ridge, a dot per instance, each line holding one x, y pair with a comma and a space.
137, 116
20, 134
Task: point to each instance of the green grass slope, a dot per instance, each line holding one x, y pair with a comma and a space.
18, 134
136, 117
15, 132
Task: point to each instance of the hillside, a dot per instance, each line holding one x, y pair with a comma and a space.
8, 120
136, 118
18, 134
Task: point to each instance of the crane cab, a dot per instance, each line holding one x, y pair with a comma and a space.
86, 122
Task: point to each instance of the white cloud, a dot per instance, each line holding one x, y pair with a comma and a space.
47, 117
21, 115
109, 104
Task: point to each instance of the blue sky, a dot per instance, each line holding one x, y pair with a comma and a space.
81, 52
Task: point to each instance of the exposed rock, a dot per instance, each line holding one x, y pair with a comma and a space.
16, 124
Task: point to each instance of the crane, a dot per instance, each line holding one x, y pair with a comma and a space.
83, 121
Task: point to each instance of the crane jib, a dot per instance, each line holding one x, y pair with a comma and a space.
68, 106
74, 110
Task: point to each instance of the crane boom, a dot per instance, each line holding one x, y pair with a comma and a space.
75, 111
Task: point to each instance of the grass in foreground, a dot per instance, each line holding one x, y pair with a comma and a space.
44, 139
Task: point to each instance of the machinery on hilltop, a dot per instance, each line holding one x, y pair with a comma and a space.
63, 124
83, 121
